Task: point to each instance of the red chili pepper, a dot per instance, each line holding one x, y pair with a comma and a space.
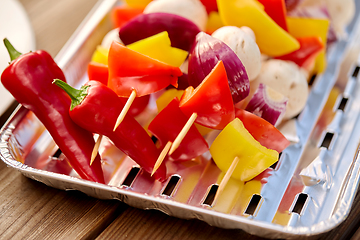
167, 125
96, 107
263, 131
130, 70
305, 56
276, 9
29, 79
211, 100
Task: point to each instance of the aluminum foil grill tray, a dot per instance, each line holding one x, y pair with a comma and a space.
308, 192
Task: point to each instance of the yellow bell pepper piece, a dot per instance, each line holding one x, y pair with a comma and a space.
235, 141
100, 55
137, 3
270, 37
306, 27
214, 22
167, 97
159, 47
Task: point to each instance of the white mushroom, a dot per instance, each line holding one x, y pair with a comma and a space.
243, 45
341, 12
111, 36
288, 79
249, 32
193, 10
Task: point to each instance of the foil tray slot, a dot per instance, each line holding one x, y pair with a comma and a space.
210, 197
276, 164
171, 186
355, 72
343, 103
312, 80
299, 203
131, 176
253, 204
328, 140
57, 153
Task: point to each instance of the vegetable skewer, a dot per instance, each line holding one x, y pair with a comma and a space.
95, 107
166, 127
210, 104
127, 80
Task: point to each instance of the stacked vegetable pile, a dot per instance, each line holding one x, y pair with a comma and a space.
236, 68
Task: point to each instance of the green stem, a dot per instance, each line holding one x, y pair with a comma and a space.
14, 54
76, 95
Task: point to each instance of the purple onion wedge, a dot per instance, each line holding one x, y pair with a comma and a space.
267, 104
206, 53
182, 32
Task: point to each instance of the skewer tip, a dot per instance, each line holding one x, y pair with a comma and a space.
161, 157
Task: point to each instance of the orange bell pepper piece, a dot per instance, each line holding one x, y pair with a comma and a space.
130, 70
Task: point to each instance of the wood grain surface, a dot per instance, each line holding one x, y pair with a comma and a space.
32, 210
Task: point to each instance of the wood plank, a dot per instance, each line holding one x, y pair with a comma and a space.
54, 21
30, 209
152, 224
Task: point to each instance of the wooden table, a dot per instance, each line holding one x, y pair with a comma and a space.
31, 210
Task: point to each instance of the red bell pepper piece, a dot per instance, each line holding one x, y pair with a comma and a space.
167, 125
210, 5
211, 100
263, 131
129, 70
122, 14
29, 79
96, 107
305, 56
276, 9
100, 72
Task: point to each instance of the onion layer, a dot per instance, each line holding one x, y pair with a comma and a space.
206, 53
182, 32
267, 104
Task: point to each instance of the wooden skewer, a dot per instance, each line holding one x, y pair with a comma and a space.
161, 157
226, 177
183, 133
125, 109
95, 149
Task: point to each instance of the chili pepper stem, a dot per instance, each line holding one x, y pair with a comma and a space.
226, 178
183, 133
14, 54
161, 157
96, 148
76, 95
125, 109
